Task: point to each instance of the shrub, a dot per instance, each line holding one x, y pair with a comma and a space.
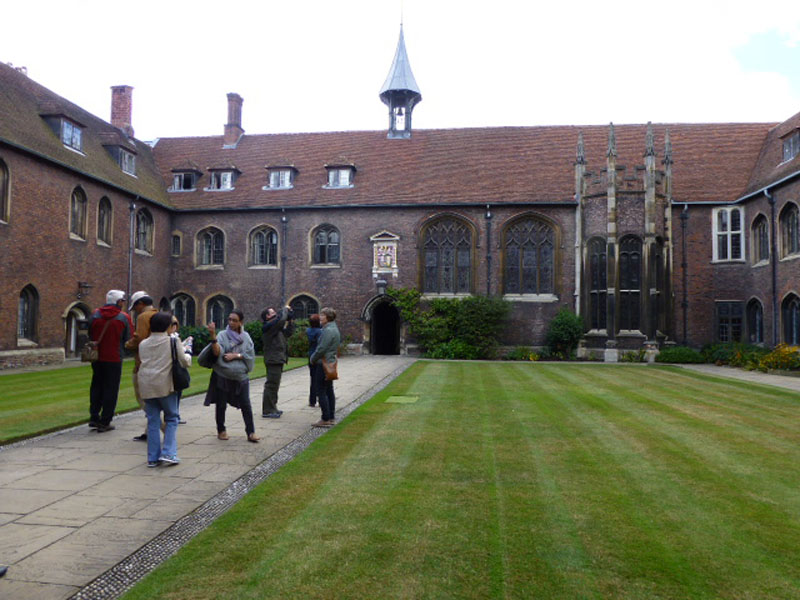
254, 329
782, 357
200, 335
521, 353
634, 356
679, 354
735, 354
564, 333
298, 341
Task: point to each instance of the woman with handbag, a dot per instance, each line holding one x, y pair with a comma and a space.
187, 344
162, 373
325, 355
234, 357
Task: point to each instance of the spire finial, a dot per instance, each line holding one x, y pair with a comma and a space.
650, 147
612, 141
581, 157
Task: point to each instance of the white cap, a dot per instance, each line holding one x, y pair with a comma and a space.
114, 296
136, 297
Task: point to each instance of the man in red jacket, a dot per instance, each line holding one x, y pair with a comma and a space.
110, 327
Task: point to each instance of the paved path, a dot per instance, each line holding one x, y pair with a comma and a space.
784, 381
76, 503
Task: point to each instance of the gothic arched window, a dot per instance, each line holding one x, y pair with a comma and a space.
264, 246
326, 245
77, 214
27, 310
447, 257
104, 215
210, 247
144, 231
790, 311
790, 237
630, 282
760, 239
217, 310
755, 322
183, 309
304, 306
529, 257
598, 286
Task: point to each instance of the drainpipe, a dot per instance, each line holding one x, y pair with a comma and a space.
685, 272
488, 251
284, 232
773, 254
131, 245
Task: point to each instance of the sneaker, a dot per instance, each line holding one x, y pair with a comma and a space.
272, 415
170, 459
152, 463
140, 438
104, 428
94, 424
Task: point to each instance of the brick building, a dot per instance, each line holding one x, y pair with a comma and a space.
653, 233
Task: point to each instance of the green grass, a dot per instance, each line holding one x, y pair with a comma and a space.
41, 401
522, 481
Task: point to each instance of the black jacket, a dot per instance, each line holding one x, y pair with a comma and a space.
274, 336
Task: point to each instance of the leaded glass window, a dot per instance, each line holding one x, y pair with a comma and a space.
26, 313
598, 286
791, 320
144, 231
104, 220
326, 246
729, 321
264, 247
304, 306
211, 247
760, 239
447, 256
217, 311
755, 322
183, 309
630, 282
77, 214
790, 241
529, 258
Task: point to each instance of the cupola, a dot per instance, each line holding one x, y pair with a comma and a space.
400, 92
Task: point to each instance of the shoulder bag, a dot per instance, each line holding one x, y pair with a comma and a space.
90, 351
331, 372
180, 374
206, 357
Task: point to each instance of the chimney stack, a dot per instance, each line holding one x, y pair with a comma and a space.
122, 108
233, 129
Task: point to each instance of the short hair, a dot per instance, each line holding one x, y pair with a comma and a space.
239, 314
160, 322
265, 313
313, 320
146, 300
329, 313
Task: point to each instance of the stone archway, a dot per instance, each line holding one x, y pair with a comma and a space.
385, 329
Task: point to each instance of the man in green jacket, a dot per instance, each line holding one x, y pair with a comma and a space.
327, 348
276, 330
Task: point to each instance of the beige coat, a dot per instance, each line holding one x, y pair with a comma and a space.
155, 372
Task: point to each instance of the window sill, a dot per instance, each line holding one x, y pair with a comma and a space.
130, 174
174, 191
729, 261
26, 343
327, 266
268, 188
760, 264
103, 244
530, 297
142, 252
264, 267
210, 267
230, 189
789, 258
77, 238
338, 187
75, 150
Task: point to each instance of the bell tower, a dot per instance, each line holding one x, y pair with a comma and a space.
400, 93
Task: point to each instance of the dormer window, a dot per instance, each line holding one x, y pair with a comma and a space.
71, 135
280, 178
127, 160
221, 180
183, 182
791, 146
340, 177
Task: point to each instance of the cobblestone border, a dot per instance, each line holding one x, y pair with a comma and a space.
124, 575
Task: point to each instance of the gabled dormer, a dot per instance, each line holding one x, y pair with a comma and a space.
400, 92
791, 144
280, 176
121, 149
68, 129
185, 177
222, 178
340, 174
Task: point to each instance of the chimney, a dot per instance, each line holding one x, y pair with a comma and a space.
233, 129
122, 107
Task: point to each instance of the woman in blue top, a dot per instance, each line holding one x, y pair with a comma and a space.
313, 332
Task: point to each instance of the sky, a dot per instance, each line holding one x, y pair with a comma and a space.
318, 65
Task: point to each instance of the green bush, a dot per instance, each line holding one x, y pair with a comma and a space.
783, 357
634, 356
298, 341
747, 356
521, 353
679, 354
564, 333
453, 328
254, 329
200, 335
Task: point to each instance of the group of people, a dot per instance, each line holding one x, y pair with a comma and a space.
156, 346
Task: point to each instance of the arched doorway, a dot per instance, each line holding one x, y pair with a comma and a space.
77, 329
385, 334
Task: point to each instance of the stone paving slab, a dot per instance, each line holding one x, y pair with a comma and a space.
75, 503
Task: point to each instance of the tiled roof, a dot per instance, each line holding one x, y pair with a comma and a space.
22, 104
712, 162
770, 166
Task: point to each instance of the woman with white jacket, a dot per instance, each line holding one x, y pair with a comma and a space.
158, 392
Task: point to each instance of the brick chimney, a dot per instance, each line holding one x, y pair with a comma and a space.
233, 129
122, 107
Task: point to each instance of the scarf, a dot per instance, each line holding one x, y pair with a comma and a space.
235, 337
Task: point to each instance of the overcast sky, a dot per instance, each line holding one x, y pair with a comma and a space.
318, 65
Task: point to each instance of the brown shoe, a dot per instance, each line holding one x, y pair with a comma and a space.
322, 424
222, 435
253, 438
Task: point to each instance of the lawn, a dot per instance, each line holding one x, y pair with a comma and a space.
510, 480
41, 401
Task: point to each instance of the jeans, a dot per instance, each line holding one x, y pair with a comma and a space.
312, 390
104, 391
269, 401
327, 399
153, 408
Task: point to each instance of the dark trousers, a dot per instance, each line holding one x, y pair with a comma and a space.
327, 399
247, 415
312, 389
269, 401
104, 391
